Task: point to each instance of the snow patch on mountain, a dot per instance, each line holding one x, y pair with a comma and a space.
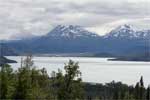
127, 31
70, 31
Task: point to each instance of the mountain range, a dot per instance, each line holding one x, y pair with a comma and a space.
122, 41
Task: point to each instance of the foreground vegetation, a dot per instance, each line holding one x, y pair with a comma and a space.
29, 83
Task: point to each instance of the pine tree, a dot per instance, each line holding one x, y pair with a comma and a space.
141, 88
5, 82
24, 79
137, 91
24, 84
148, 93
35, 88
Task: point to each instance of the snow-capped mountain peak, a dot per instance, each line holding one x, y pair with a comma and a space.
70, 31
123, 31
125, 26
128, 32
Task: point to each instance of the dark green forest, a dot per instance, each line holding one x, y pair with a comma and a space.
29, 83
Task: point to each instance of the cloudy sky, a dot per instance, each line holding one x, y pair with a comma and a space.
37, 17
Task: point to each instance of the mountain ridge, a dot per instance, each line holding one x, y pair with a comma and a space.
70, 31
127, 31
75, 31
75, 39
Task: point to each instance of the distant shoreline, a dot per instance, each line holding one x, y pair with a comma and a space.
131, 59
4, 60
111, 57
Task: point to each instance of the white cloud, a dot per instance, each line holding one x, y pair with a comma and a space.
40, 16
137, 23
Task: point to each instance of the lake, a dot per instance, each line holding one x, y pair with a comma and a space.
97, 70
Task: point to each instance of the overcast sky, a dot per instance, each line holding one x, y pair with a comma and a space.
37, 17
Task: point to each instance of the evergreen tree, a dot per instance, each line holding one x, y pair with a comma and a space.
35, 88
32, 83
141, 82
148, 93
29, 83
39, 84
24, 79
137, 91
24, 84
141, 88
6, 79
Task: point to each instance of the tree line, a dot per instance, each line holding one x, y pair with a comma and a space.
29, 83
